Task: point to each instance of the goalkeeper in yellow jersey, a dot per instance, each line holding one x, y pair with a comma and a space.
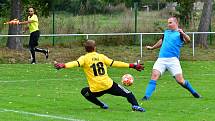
95, 68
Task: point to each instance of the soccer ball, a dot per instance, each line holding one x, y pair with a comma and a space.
127, 79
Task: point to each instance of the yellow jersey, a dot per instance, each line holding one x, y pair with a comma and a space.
33, 26
95, 68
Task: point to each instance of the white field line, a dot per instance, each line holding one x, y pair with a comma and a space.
41, 115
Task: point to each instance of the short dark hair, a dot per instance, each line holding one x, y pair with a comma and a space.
90, 45
35, 11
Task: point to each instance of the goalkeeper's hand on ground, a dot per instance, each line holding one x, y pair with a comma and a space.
136, 66
59, 65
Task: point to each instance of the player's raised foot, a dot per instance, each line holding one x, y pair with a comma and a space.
145, 98
105, 106
47, 54
196, 95
138, 108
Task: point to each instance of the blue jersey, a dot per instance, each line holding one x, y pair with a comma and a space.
171, 44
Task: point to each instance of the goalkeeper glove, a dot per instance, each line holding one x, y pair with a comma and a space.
59, 65
136, 66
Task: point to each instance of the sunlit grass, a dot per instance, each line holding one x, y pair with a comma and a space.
42, 90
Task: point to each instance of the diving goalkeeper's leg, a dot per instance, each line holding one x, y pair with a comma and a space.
92, 98
119, 90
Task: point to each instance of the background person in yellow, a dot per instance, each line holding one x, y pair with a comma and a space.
33, 27
95, 68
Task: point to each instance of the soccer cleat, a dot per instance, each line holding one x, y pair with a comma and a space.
138, 108
33, 62
145, 98
47, 54
105, 106
196, 95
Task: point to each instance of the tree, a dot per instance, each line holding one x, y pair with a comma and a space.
204, 23
4, 7
15, 42
43, 7
185, 8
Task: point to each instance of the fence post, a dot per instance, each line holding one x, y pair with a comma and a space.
87, 36
53, 27
193, 44
135, 19
210, 34
141, 46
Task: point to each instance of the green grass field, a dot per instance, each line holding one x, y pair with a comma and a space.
41, 93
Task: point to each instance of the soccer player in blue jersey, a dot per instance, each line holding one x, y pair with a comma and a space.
168, 59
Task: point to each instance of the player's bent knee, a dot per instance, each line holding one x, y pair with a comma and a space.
179, 78
155, 76
85, 91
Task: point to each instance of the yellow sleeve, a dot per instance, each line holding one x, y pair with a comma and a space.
120, 64
71, 64
113, 63
78, 63
34, 18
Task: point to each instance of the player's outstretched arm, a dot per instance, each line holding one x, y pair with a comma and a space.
67, 65
157, 45
26, 22
113, 63
14, 21
59, 65
137, 66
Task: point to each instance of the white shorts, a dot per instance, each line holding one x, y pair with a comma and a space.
170, 64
